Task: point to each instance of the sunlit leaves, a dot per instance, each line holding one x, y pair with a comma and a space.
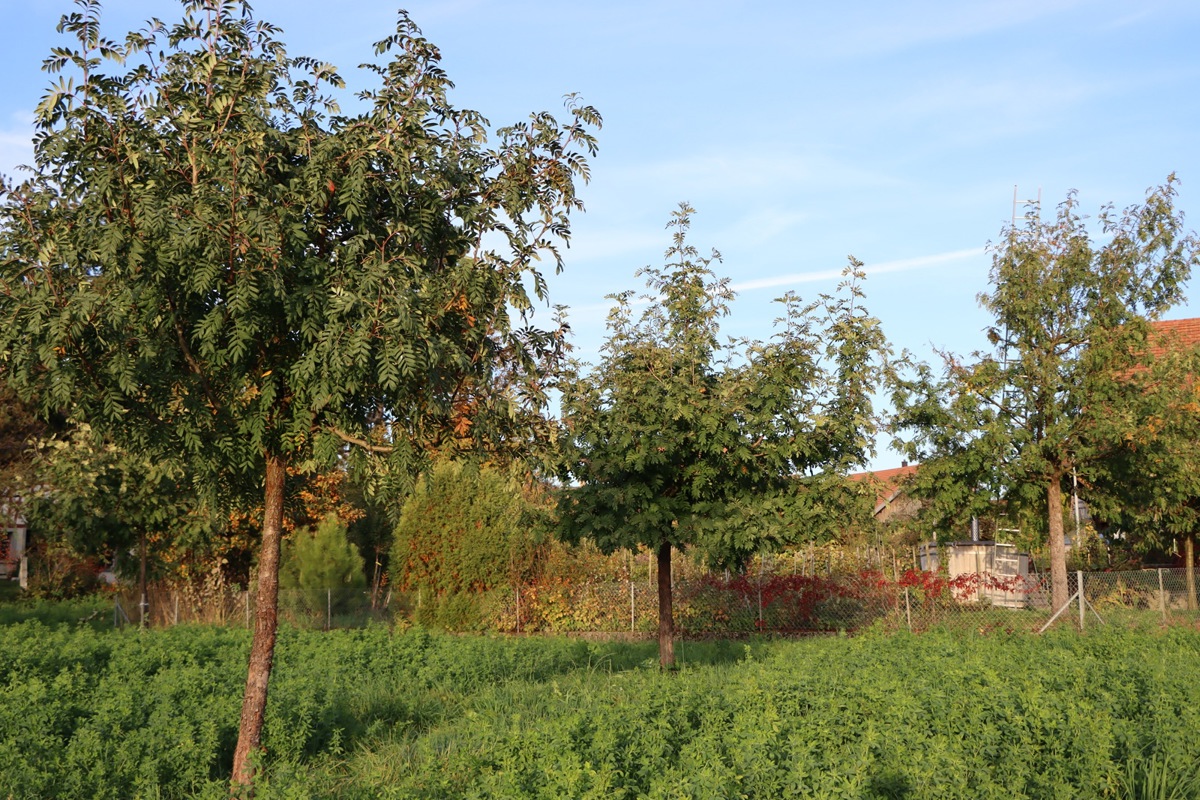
202, 214
676, 432
1071, 312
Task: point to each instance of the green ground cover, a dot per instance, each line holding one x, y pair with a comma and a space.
371, 713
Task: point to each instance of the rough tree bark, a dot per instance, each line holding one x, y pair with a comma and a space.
666, 615
266, 607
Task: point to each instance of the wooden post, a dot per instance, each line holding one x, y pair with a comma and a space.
142, 580
1189, 559
760, 577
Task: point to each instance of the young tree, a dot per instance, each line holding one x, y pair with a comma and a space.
469, 528
98, 500
676, 439
1070, 315
210, 259
317, 559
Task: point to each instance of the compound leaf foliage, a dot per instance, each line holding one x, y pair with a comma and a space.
676, 437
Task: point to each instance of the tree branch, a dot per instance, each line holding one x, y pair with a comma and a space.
383, 449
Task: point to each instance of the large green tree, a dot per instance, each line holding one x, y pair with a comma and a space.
676, 439
1148, 487
210, 259
1070, 317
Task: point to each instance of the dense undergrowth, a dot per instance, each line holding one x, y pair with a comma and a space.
370, 713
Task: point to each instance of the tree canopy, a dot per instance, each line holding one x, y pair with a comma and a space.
677, 439
1070, 323
1147, 489
211, 259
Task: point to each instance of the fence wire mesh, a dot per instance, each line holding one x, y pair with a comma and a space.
713, 604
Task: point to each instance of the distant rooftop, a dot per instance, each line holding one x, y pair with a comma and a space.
1177, 331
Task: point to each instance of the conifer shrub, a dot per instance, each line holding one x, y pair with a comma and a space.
466, 532
320, 567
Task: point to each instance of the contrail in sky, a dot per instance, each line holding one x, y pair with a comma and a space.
899, 265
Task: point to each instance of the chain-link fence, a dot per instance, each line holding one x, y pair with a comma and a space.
798, 604
714, 604
317, 608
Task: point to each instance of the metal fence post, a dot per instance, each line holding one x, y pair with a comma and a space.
907, 609
760, 577
632, 608
1162, 596
1082, 601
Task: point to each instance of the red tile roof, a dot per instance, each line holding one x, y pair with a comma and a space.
887, 482
1174, 332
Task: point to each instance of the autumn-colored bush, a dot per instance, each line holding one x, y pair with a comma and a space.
468, 528
465, 532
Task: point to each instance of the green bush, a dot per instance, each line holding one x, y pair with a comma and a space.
318, 568
465, 531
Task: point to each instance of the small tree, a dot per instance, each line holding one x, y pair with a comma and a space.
95, 499
315, 561
211, 259
1070, 317
676, 439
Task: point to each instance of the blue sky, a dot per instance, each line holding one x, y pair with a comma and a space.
802, 132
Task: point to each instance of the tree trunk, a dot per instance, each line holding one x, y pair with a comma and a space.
1189, 569
262, 647
1058, 547
666, 615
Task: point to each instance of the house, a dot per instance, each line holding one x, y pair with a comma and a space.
891, 501
999, 572
990, 572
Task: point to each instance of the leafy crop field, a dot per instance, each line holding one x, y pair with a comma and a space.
371, 713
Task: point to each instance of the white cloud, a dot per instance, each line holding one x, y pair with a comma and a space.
771, 169
592, 244
892, 27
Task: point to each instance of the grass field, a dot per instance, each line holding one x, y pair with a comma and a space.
372, 713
